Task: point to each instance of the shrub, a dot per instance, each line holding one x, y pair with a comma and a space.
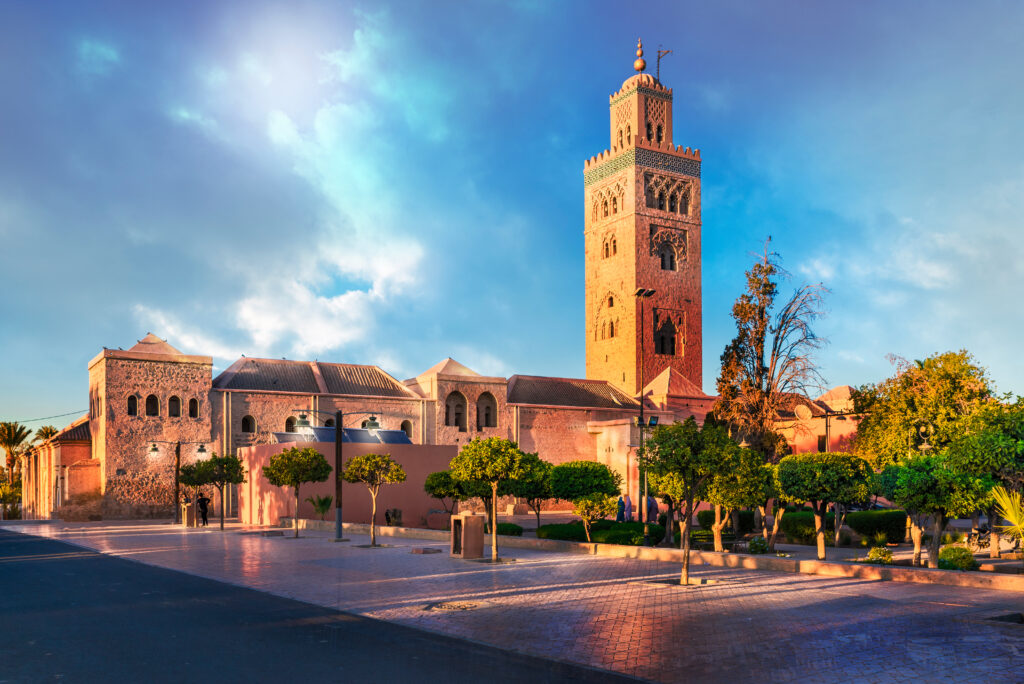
880, 555
870, 523
799, 527
564, 532
953, 537
758, 544
880, 538
957, 558
510, 529
603, 532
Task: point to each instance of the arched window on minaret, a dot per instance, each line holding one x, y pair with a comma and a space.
615, 205
668, 257
611, 329
614, 250
661, 135
673, 202
604, 330
629, 136
606, 249
661, 200
611, 302
665, 339
684, 204
650, 132
604, 208
620, 137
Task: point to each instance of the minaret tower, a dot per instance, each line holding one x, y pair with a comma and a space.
642, 230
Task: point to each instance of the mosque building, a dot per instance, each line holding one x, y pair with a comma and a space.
643, 336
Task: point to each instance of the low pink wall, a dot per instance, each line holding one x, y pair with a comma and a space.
261, 503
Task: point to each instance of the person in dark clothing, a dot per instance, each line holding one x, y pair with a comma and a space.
204, 507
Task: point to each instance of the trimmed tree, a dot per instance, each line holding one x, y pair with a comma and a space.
373, 470
823, 478
534, 485
685, 458
293, 468
587, 485
220, 471
443, 487
744, 483
493, 460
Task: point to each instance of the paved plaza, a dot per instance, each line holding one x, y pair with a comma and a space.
614, 614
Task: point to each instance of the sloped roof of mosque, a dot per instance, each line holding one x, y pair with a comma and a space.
671, 382
449, 367
530, 389
151, 344
77, 431
151, 348
281, 375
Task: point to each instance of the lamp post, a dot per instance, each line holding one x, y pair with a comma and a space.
372, 424
177, 470
642, 294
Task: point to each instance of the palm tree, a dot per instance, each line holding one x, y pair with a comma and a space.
44, 433
13, 438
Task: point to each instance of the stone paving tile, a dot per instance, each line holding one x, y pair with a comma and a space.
605, 612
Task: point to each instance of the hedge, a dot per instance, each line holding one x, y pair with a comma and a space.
707, 518
799, 526
602, 532
957, 558
870, 523
510, 529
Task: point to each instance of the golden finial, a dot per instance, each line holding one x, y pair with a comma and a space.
639, 64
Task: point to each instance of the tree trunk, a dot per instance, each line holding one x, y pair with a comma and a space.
373, 517
537, 511
670, 531
765, 511
840, 520
494, 522
759, 518
908, 532
993, 533
938, 524
685, 531
916, 534
716, 528
776, 522
586, 528
295, 520
820, 508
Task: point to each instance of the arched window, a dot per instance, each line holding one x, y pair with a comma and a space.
289, 424
604, 209
629, 137
329, 422
611, 302
174, 407
620, 137
486, 411
133, 406
660, 133
615, 205
606, 252
613, 246
152, 405
668, 258
407, 428
665, 339
684, 204
249, 424
650, 133
673, 202
661, 200
611, 329
193, 408
455, 411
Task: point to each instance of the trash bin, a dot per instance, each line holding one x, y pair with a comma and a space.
468, 535
188, 514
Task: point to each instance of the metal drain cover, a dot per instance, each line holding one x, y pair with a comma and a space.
455, 606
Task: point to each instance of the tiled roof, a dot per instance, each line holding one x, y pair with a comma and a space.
75, 433
449, 367
671, 382
268, 375
528, 389
151, 344
364, 380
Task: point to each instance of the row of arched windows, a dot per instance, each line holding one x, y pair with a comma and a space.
455, 411
667, 194
152, 406
655, 134
608, 202
667, 256
628, 136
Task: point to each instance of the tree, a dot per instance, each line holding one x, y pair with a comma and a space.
493, 460
441, 485
823, 478
293, 468
13, 440
534, 484
744, 482
1009, 506
587, 485
769, 362
373, 470
692, 456
44, 433
928, 489
220, 471
321, 504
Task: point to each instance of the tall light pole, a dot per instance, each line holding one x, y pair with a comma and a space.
642, 294
371, 424
177, 470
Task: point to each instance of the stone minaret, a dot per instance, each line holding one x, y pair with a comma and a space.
642, 230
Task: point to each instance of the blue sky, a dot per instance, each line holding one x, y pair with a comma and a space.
394, 183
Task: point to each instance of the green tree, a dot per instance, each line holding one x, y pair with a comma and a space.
993, 445
493, 460
534, 485
1009, 506
321, 504
44, 433
745, 482
823, 478
692, 456
587, 485
769, 362
443, 487
221, 471
930, 490
13, 439
373, 470
293, 468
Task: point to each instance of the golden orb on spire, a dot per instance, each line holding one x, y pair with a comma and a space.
639, 64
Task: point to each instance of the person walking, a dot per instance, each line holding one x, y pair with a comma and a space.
620, 511
628, 509
204, 508
652, 509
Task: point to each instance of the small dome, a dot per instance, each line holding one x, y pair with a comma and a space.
639, 79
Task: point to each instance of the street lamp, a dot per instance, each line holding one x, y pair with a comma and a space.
642, 294
371, 424
177, 470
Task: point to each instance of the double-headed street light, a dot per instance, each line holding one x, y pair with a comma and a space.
642, 294
371, 424
177, 469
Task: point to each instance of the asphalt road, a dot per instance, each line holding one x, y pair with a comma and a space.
74, 615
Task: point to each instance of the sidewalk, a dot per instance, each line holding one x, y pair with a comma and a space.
610, 613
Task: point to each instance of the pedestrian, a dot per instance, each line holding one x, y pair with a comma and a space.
652, 509
204, 504
620, 511
628, 509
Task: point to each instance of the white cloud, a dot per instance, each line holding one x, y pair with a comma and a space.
182, 335
96, 58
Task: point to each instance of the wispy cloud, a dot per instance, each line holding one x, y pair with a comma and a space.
96, 58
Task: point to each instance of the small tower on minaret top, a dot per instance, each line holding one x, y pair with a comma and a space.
642, 231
